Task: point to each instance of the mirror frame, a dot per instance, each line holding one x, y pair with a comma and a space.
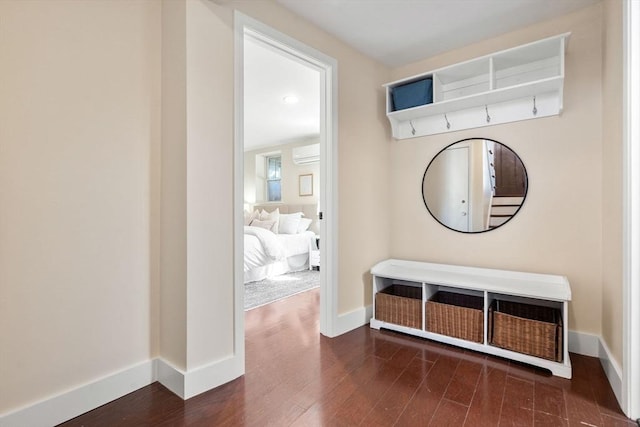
524, 197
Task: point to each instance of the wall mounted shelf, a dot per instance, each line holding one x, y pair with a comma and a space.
520, 83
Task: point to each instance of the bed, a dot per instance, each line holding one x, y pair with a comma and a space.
278, 239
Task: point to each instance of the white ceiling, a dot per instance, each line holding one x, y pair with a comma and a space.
394, 32
269, 76
398, 32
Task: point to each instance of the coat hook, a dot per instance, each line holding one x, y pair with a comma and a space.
413, 130
447, 120
535, 110
486, 109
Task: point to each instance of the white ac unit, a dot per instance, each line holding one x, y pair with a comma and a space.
306, 154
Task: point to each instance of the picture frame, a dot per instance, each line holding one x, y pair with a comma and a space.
305, 185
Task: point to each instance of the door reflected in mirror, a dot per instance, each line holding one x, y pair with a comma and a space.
474, 185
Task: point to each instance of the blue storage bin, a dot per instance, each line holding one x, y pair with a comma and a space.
412, 94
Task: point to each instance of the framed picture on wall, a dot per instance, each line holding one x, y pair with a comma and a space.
305, 185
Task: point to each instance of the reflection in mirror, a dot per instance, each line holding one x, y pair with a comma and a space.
474, 185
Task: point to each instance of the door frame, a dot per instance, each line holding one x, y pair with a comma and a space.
328, 68
631, 211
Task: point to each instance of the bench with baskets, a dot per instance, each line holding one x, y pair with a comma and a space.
515, 315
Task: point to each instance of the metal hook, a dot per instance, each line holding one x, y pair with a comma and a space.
413, 130
486, 109
447, 120
535, 110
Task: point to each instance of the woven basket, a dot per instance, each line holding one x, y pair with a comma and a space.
456, 315
526, 328
400, 305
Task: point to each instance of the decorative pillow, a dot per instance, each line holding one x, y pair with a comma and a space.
267, 224
304, 224
250, 216
288, 223
271, 216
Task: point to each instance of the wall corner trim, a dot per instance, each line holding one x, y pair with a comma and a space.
212, 375
352, 320
199, 380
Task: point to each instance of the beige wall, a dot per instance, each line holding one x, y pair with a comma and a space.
173, 214
80, 117
612, 178
290, 174
559, 228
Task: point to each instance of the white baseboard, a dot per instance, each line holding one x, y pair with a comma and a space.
212, 375
189, 384
585, 344
170, 377
594, 346
353, 320
611, 369
68, 405
65, 406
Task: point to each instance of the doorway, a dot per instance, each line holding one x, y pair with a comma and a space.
327, 140
282, 173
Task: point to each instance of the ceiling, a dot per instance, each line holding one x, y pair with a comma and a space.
270, 76
394, 32
398, 32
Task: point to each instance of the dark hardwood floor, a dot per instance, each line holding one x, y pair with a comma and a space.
296, 377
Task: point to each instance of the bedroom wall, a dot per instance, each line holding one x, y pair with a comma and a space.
363, 164
290, 173
80, 118
559, 229
612, 102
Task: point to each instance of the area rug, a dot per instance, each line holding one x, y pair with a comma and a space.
267, 291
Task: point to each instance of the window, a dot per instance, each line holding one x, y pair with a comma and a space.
274, 181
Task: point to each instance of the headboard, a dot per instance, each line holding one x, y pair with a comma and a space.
309, 210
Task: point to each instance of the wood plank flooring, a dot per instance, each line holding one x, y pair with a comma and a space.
295, 377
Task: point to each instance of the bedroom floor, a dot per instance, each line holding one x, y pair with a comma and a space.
366, 377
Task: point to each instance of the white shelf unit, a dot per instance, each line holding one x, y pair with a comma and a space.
532, 288
500, 86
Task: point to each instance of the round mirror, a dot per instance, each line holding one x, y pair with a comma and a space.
474, 185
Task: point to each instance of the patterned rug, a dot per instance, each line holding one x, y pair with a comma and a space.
267, 291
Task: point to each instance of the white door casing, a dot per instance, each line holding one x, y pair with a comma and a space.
328, 200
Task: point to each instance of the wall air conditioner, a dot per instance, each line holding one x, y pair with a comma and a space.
306, 154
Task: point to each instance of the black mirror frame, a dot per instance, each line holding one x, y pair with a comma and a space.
524, 197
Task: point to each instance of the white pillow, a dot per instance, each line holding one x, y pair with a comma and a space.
304, 224
288, 223
268, 224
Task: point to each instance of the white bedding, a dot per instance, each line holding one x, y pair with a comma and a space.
267, 254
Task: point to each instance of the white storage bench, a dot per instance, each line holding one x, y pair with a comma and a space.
535, 332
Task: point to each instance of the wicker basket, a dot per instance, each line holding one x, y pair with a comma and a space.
526, 328
456, 315
400, 305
